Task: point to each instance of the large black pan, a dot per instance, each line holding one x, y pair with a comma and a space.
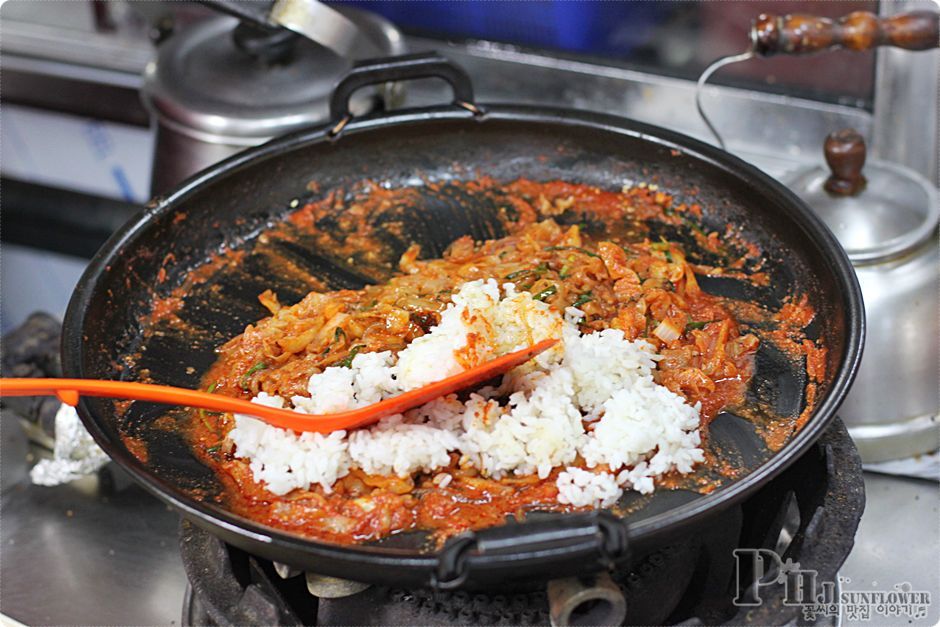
228, 205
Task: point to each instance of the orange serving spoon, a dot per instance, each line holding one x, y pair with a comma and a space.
69, 390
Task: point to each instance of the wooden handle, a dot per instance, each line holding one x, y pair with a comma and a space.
845, 154
861, 30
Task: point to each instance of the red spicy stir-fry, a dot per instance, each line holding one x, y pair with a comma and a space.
647, 289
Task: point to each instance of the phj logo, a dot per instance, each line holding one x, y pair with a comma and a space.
759, 570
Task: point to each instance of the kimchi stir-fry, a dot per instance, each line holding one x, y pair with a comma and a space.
646, 359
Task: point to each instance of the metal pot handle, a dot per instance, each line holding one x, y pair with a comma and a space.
407, 67
309, 18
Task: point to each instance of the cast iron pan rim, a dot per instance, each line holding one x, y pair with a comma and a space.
229, 524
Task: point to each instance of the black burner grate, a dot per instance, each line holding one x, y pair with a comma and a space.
808, 514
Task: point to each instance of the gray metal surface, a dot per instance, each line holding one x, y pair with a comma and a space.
59, 30
907, 88
773, 128
99, 551
898, 542
904, 129
770, 129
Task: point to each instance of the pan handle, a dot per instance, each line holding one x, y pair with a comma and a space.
570, 542
257, 12
406, 67
860, 30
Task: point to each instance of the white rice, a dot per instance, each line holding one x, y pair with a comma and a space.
638, 430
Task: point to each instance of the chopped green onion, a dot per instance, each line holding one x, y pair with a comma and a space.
337, 333
577, 248
565, 272
517, 274
243, 382
211, 388
213, 449
583, 298
205, 421
700, 324
548, 291
347, 362
539, 269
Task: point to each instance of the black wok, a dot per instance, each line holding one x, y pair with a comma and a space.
230, 204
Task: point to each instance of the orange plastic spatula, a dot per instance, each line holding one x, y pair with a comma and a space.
69, 390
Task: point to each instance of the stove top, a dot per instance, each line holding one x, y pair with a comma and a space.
804, 521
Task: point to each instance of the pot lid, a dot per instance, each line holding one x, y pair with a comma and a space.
879, 213
223, 79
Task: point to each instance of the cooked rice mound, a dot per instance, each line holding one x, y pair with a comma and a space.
590, 405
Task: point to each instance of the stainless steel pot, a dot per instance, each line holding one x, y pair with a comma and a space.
222, 86
886, 219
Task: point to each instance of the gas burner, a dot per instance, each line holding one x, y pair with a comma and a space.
808, 516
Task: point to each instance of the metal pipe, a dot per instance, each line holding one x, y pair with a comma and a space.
594, 600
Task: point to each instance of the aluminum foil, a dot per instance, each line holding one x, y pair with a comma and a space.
75, 454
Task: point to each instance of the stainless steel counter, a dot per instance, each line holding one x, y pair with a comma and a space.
898, 542
104, 552
93, 552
